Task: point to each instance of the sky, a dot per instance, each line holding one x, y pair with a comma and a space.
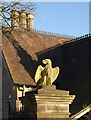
67, 18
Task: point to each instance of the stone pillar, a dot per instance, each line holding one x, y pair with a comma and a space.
30, 20
15, 19
47, 103
23, 20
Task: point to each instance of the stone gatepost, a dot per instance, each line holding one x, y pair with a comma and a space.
47, 103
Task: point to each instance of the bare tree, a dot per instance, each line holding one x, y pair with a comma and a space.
7, 7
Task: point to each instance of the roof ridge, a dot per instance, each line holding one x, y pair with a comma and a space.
78, 38
61, 35
84, 36
52, 33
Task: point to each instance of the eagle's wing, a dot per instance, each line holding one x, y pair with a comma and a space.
38, 73
55, 72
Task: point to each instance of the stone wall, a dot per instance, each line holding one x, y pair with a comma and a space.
8, 92
73, 60
0, 84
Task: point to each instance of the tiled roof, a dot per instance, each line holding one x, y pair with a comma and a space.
20, 48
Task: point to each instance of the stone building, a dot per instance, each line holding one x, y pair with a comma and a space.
23, 50
20, 62
0, 85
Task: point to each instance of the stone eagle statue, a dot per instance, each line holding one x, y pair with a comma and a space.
46, 75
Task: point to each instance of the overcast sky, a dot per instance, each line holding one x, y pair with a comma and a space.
69, 18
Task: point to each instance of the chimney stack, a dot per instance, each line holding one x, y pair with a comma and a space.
22, 20
23, 23
15, 19
30, 20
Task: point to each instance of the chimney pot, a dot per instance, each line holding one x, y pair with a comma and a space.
22, 19
15, 19
30, 20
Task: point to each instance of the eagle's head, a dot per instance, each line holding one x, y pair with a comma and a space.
46, 61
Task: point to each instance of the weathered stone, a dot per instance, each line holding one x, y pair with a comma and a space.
47, 103
30, 20
15, 19
46, 75
23, 19
48, 89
